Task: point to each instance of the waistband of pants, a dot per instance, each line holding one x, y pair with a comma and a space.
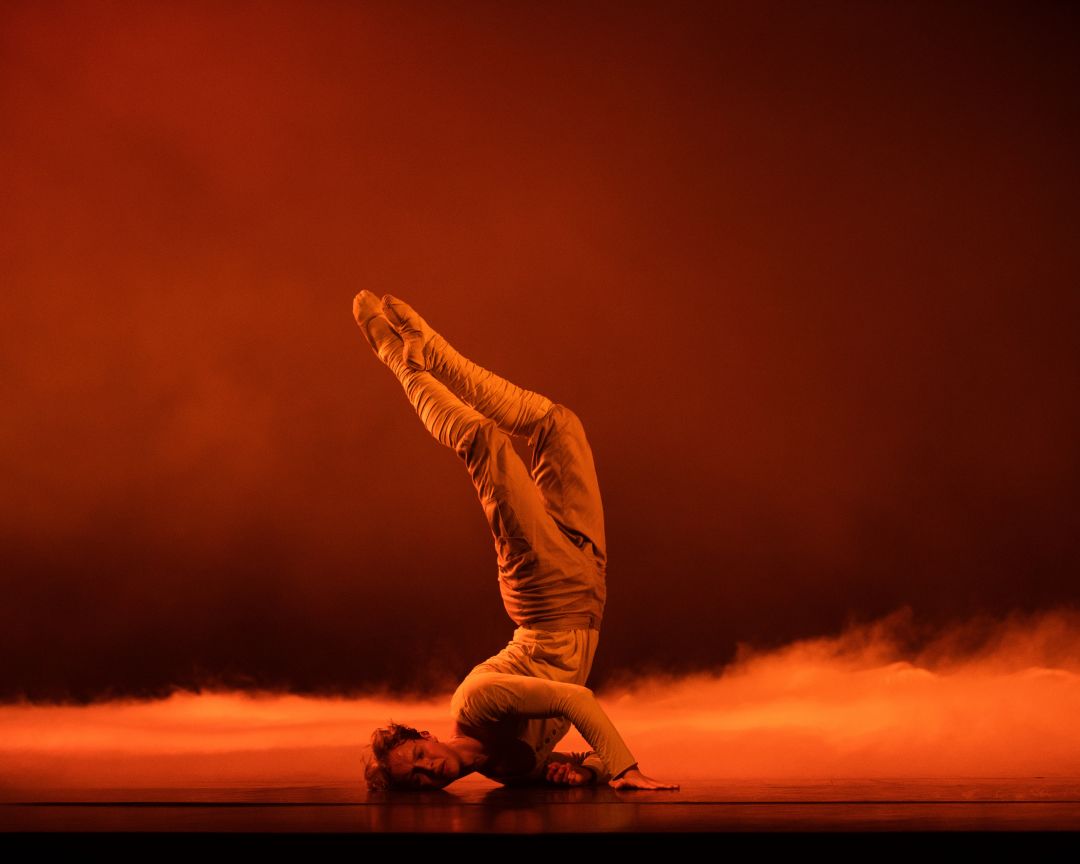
582, 621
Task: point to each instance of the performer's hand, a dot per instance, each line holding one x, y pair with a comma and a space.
568, 774
634, 779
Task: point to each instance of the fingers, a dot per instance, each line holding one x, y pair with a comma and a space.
564, 774
641, 782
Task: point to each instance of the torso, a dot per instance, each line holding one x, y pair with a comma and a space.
509, 757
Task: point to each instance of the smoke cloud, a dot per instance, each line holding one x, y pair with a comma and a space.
986, 698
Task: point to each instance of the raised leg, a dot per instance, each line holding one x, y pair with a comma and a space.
515, 409
544, 577
562, 461
528, 542
447, 418
565, 474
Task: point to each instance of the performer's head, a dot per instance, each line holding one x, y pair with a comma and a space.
400, 757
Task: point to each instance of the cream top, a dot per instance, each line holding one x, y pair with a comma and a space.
494, 708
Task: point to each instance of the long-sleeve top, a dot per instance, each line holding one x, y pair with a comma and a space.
495, 708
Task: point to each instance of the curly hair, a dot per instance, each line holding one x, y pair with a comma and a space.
383, 740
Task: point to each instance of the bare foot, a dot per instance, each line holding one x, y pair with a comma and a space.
366, 305
377, 330
414, 330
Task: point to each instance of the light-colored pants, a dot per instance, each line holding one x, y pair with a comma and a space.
547, 521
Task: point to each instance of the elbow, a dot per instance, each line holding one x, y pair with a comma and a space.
470, 693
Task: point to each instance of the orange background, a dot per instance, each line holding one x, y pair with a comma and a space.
808, 275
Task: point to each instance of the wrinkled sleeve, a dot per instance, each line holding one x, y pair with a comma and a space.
490, 697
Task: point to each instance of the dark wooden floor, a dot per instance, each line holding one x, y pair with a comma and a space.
763, 811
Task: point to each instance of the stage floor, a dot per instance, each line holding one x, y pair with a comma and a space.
868, 805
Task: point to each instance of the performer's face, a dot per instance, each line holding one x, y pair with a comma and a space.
426, 763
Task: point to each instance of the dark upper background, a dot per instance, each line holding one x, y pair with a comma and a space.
809, 275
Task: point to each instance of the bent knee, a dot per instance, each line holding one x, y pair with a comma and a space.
564, 416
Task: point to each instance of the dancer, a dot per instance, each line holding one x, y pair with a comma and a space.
548, 526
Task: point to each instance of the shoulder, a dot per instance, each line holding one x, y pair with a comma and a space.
478, 693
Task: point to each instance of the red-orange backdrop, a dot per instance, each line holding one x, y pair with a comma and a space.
807, 273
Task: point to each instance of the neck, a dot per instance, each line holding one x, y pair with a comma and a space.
471, 752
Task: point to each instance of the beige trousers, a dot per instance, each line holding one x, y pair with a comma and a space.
547, 521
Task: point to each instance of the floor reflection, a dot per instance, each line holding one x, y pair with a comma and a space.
876, 804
